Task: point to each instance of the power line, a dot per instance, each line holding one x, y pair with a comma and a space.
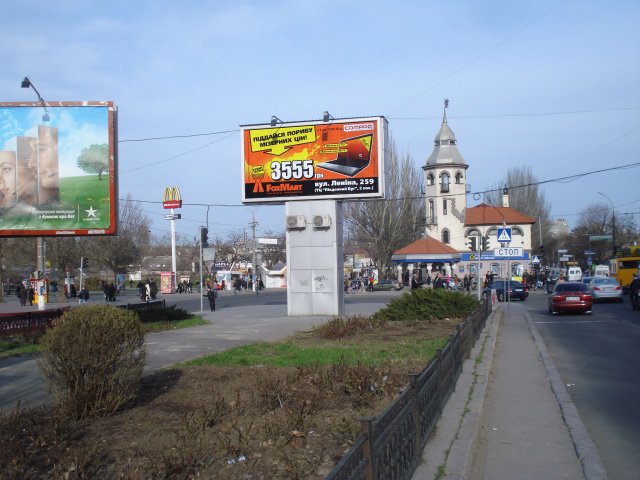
177, 136
519, 115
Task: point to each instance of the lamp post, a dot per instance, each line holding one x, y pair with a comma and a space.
613, 222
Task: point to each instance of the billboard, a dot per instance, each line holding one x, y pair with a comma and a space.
58, 169
338, 159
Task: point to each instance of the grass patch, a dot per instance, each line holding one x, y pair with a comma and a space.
158, 326
14, 348
304, 354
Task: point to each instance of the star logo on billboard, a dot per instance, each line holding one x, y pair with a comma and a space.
91, 212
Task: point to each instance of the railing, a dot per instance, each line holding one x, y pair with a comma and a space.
35, 322
390, 445
28, 323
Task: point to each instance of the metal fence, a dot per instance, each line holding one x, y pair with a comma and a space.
390, 445
29, 323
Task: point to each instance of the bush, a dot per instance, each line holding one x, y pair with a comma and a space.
428, 305
92, 360
163, 314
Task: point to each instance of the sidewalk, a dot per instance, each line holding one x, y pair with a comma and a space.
510, 416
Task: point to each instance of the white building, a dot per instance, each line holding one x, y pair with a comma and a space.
451, 225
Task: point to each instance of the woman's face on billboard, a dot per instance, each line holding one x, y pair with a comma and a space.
7, 178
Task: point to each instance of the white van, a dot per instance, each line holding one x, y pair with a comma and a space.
574, 274
601, 271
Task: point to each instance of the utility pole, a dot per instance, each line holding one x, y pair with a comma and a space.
253, 257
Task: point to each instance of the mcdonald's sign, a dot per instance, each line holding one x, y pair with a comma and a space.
172, 198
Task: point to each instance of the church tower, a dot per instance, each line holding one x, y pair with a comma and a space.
446, 189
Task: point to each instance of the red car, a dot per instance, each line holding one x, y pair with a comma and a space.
570, 297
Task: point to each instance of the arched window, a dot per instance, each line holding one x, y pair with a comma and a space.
445, 236
444, 182
458, 178
472, 232
432, 213
431, 180
516, 231
445, 206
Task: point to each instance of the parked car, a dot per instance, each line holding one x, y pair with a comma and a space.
514, 288
605, 288
570, 297
388, 284
586, 280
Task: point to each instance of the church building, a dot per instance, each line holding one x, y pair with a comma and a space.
452, 227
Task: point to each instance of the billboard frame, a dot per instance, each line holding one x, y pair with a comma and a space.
319, 182
104, 228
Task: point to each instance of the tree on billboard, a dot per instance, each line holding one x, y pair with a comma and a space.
94, 159
384, 226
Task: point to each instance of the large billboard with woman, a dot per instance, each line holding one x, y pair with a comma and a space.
58, 169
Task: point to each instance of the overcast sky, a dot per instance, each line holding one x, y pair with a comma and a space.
551, 84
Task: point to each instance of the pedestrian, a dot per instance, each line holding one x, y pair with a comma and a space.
147, 291
260, 285
72, 291
30, 295
24, 295
83, 296
211, 295
414, 282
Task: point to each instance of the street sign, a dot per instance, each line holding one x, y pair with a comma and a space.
564, 258
504, 235
561, 251
172, 216
508, 252
595, 238
535, 259
589, 252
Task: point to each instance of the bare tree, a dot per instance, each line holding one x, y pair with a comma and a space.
383, 226
116, 253
524, 196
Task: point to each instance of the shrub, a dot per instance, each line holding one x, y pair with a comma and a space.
163, 314
340, 327
428, 305
92, 360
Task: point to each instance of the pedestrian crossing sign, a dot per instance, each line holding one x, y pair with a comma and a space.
535, 259
504, 235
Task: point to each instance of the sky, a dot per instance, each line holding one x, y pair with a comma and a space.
552, 84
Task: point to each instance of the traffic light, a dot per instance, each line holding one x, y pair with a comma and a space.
473, 244
204, 239
485, 244
85, 263
541, 250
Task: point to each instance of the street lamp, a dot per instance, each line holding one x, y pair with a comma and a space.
613, 222
26, 83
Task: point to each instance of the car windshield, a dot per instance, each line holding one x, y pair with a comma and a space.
571, 287
605, 281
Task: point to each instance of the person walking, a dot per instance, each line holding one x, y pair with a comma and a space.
24, 295
414, 282
211, 296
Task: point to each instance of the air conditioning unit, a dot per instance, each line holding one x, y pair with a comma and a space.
296, 222
321, 221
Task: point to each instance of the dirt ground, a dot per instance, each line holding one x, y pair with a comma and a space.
229, 423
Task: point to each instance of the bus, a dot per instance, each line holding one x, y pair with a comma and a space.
623, 269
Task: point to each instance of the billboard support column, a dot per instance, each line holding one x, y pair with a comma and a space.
315, 262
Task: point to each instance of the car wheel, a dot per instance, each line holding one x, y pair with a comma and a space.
588, 312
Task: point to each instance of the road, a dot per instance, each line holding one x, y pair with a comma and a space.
598, 357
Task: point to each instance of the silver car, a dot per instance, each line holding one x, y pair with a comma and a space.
605, 288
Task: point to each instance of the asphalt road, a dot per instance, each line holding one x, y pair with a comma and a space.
598, 357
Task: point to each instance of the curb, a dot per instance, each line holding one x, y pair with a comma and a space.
586, 450
449, 453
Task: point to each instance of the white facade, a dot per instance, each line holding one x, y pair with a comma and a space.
450, 221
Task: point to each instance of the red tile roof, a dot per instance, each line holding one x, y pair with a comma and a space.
426, 245
484, 214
